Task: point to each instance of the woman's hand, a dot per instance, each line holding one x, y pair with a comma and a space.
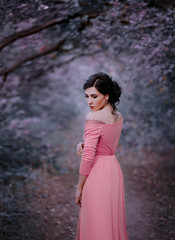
80, 147
78, 194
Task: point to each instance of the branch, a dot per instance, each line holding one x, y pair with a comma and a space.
19, 63
24, 33
33, 30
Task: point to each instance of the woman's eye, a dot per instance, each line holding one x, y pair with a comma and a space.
88, 96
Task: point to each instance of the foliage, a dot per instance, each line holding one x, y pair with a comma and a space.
131, 40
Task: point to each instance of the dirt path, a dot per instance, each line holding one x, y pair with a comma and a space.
41, 206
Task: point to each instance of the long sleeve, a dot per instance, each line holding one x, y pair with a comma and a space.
91, 137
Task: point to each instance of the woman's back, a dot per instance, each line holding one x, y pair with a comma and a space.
104, 115
108, 135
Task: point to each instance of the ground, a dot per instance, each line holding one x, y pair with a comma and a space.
40, 205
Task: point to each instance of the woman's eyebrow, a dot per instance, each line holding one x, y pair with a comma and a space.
91, 94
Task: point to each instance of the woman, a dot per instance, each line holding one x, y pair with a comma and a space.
100, 189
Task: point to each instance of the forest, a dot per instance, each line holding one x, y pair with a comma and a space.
47, 51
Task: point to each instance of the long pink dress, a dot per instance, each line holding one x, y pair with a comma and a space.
102, 211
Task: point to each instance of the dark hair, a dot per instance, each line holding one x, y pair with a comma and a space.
105, 85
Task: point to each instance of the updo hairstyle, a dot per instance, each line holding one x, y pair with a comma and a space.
105, 85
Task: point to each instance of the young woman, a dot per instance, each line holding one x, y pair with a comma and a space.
100, 189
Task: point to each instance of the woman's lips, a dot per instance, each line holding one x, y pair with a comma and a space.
91, 106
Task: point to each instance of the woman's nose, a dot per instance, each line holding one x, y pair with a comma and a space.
89, 100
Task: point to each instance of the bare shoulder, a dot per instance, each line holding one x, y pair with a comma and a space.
104, 117
96, 115
119, 116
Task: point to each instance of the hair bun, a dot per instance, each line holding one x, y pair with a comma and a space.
116, 92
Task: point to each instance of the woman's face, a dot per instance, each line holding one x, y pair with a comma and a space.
95, 99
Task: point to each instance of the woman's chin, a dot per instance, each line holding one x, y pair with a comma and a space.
96, 109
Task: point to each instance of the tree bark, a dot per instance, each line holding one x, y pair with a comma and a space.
19, 63
24, 33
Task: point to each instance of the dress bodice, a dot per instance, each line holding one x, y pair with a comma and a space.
100, 138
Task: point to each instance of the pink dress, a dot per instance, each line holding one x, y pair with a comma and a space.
102, 211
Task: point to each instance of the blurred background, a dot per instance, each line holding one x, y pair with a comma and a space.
47, 51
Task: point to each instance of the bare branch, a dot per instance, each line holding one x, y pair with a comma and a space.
24, 33
19, 63
4, 72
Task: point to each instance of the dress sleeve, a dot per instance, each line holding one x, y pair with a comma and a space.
91, 137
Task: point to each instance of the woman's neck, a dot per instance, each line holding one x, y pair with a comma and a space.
107, 107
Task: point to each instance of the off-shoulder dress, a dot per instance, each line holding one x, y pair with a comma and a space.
102, 211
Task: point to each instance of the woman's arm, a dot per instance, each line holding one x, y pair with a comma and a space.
91, 137
79, 189
81, 181
82, 178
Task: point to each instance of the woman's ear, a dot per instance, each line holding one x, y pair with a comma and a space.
107, 96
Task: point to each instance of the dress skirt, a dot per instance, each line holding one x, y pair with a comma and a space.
102, 211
